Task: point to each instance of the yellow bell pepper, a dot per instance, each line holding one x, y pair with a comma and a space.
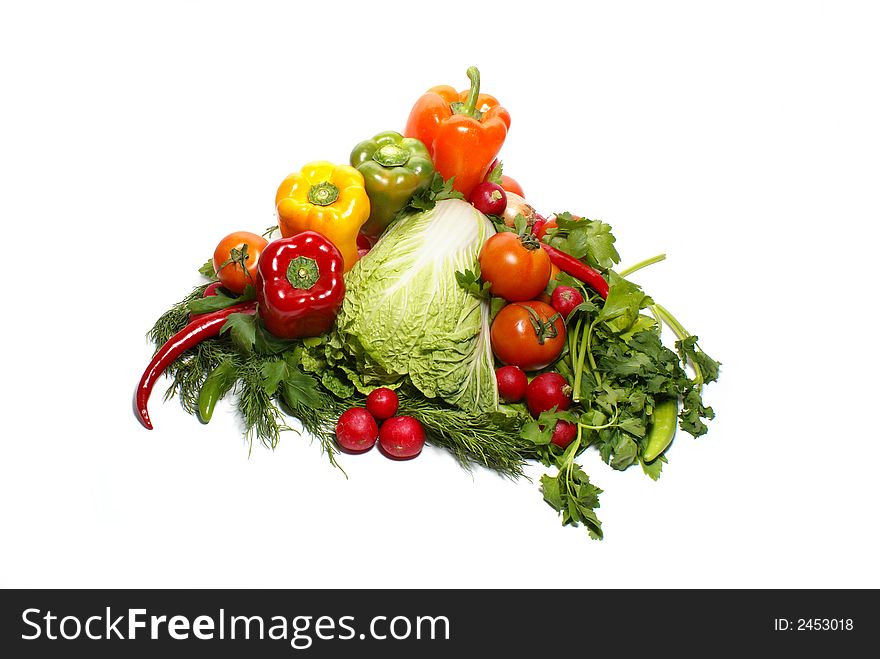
327, 198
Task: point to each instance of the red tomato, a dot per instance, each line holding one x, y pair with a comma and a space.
511, 185
517, 268
236, 268
517, 341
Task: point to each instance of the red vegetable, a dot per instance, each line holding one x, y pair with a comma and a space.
489, 198
211, 289
564, 433
356, 430
565, 299
530, 335
204, 327
515, 266
382, 403
236, 258
364, 244
547, 391
299, 285
511, 185
402, 437
581, 271
512, 383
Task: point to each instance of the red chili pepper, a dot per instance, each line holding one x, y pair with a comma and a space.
581, 271
300, 285
204, 327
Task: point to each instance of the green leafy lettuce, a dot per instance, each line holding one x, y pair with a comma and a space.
406, 316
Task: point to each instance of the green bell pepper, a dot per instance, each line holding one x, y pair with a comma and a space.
394, 169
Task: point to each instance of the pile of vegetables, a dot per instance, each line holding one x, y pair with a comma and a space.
414, 296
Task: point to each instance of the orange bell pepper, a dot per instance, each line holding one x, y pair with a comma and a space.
463, 131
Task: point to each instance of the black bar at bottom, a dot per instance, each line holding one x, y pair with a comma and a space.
333, 623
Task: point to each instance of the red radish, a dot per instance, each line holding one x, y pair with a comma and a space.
356, 430
512, 383
211, 289
564, 433
364, 244
402, 437
489, 198
547, 391
382, 403
565, 299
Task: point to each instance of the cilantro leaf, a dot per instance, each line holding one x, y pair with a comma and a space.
273, 372
242, 329
571, 494
219, 301
653, 469
584, 239
437, 190
470, 281
207, 270
496, 174
301, 390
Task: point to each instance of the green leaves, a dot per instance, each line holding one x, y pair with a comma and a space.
273, 373
470, 281
242, 330
572, 495
207, 270
438, 190
706, 367
625, 300
220, 300
540, 431
584, 239
496, 174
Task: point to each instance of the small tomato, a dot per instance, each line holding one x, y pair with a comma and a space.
530, 335
236, 258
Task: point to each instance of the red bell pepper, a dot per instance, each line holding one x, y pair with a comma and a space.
299, 285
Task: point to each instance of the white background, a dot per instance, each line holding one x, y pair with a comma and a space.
740, 138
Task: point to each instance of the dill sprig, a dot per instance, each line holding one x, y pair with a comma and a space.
174, 320
493, 441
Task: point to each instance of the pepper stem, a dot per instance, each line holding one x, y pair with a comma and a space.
323, 193
469, 107
303, 272
391, 155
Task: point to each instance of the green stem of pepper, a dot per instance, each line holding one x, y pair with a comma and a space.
323, 193
391, 155
469, 107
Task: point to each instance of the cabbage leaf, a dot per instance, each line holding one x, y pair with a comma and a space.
405, 316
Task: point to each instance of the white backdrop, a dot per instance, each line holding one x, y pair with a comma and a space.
740, 138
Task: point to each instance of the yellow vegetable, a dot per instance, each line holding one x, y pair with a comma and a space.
326, 198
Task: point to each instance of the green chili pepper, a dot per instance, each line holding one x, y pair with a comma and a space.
215, 386
394, 169
663, 424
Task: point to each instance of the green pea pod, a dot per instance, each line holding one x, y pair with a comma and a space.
215, 386
663, 424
